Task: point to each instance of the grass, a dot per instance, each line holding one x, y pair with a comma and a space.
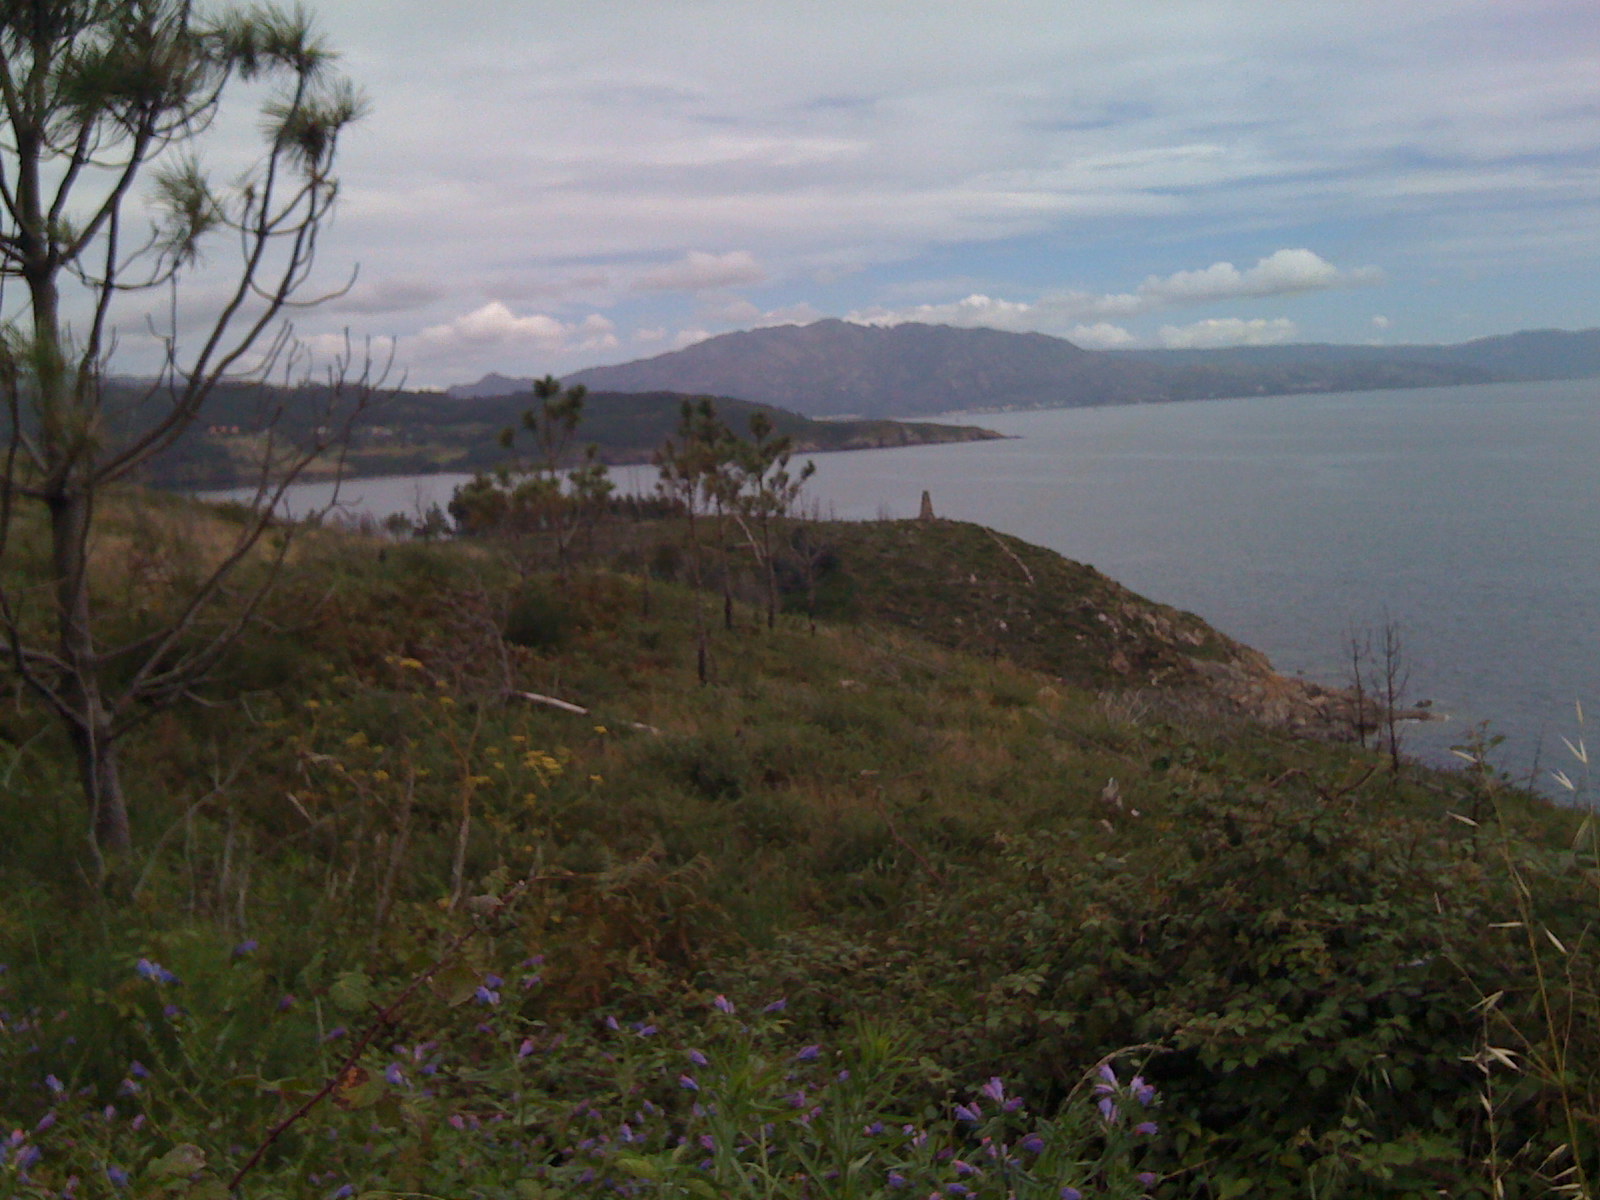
957, 849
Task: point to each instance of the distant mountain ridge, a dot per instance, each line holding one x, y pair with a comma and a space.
833, 367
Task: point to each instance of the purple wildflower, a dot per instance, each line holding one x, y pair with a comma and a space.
118, 1177
526, 1048
1148, 1179
957, 1189
611, 1024
394, 1075
995, 1089
1033, 1143
491, 980
723, 1004
687, 1083
1012, 1104
334, 1034
137, 1070
248, 946
1107, 1074
55, 1085
843, 1077
27, 1156
645, 1030
874, 1129
45, 1121
286, 1002
897, 1180
707, 1142
964, 1113
809, 1054
1108, 1109
486, 995
1143, 1092
1148, 1128
697, 1058
1071, 1193
962, 1168
347, 1190
777, 1006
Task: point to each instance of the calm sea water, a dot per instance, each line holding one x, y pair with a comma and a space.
1469, 517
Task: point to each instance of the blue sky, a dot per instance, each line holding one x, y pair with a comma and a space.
546, 186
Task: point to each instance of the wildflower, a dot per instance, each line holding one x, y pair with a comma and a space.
334, 1034
45, 1121
486, 995
347, 1190
394, 1075
611, 1024
723, 1004
643, 1030
697, 1058
172, 1012
843, 1077
526, 1048
248, 946
897, 1180
809, 1054
55, 1085
874, 1129
957, 1189
1071, 1193
1148, 1128
707, 1142
137, 1070
1148, 1179
1108, 1109
994, 1089
1142, 1091
118, 1177
285, 1002
777, 1006
109, 1112
687, 1083
963, 1169
1108, 1078
964, 1113
492, 980
1012, 1104
1033, 1143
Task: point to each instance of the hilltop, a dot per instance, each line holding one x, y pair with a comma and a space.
403, 433
835, 367
467, 845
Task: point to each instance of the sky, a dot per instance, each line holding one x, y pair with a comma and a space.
540, 187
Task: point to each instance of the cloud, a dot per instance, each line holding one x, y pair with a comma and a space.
496, 327
393, 294
1381, 322
1281, 273
698, 271
688, 337
1229, 331
1100, 336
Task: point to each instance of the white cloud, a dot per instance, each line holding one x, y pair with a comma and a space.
698, 271
494, 327
1102, 335
1229, 331
688, 337
1281, 273
1381, 322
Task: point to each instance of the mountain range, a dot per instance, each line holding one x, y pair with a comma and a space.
833, 368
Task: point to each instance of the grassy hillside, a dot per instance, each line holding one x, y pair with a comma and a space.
969, 824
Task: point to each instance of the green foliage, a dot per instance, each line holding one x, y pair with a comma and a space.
918, 849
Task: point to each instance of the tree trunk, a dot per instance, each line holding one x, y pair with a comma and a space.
89, 725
